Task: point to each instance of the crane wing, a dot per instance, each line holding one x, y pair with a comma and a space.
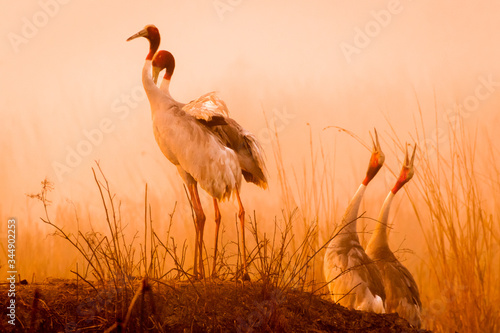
211, 111
206, 107
402, 291
247, 148
348, 270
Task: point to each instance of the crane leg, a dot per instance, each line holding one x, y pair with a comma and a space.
217, 225
241, 215
199, 226
196, 240
193, 202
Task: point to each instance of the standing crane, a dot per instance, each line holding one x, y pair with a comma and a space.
353, 279
212, 112
199, 155
402, 291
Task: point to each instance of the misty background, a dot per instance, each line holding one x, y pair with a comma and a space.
71, 94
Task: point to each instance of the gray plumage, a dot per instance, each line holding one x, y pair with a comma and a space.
402, 295
247, 149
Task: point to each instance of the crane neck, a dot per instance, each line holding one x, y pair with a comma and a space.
349, 221
165, 87
152, 91
154, 45
379, 238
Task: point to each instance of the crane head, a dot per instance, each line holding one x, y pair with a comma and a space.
406, 171
163, 60
151, 33
376, 160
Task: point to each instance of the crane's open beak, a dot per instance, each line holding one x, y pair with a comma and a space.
376, 160
142, 33
406, 171
408, 164
377, 150
156, 73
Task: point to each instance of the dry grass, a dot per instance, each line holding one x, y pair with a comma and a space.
455, 204
313, 203
121, 289
457, 208
455, 200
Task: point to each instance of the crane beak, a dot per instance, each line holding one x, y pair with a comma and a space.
407, 170
156, 73
142, 33
413, 155
409, 162
376, 160
377, 149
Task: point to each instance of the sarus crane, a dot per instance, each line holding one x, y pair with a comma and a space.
402, 294
353, 279
212, 112
199, 155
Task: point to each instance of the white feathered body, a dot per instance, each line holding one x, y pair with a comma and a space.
352, 272
353, 279
213, 113
189, 145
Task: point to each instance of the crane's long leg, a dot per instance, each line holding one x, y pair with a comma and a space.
217, 225
241, 215
192, 194
200, 225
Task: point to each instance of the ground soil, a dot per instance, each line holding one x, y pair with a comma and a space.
207, 306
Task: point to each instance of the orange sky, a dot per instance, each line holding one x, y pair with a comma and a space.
70, 83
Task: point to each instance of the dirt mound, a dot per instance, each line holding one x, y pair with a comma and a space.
173, 306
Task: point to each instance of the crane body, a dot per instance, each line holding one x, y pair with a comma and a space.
402, 295
186, 136
353, 279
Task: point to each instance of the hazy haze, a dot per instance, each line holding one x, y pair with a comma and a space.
75, 77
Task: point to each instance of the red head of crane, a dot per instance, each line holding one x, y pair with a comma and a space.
151, 33
163, 60
353, 280
400, 287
